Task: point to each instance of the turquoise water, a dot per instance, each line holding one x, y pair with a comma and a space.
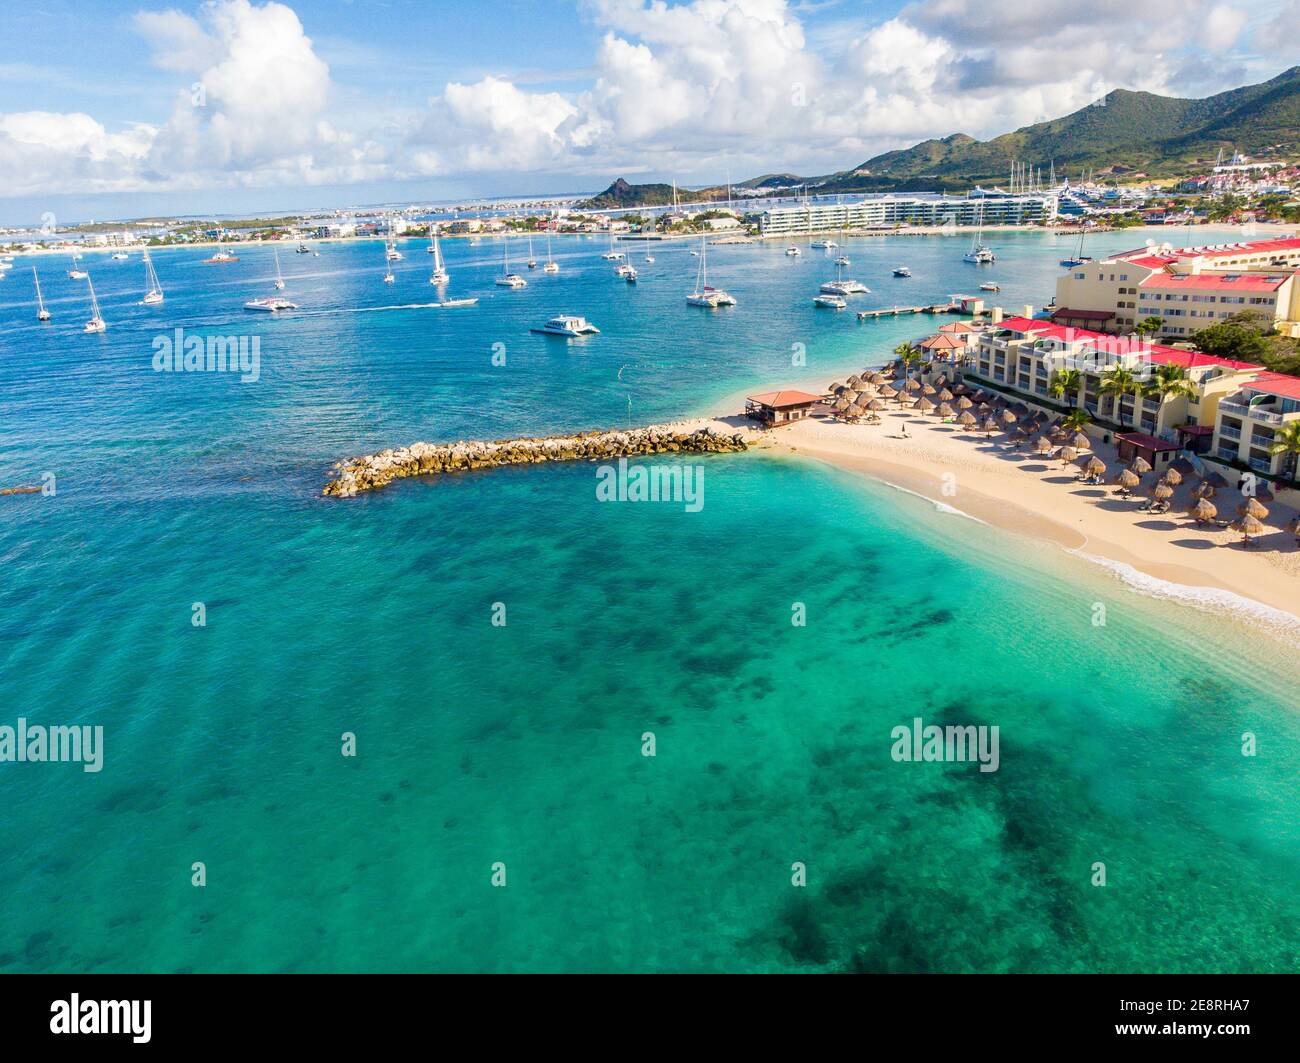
523, 744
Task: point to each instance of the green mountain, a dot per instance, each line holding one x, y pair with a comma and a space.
622, 194
1122, 133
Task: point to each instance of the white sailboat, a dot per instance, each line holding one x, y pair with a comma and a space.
439, 274
41, 313
96, 322
153, 293
704, 295
551, 265
388, 270
979, 254
508, 279
74, 273
279, 277
611, 255
532, 261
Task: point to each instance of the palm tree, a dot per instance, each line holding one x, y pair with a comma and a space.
1119, 382
909, 354
1076, 420
1149, 326
1169, 381
1065, 384
1286, 440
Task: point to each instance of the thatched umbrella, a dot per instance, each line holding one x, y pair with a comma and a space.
967, 419
941, 380
841, 404
875, 405
1095, 467
851, 395
946, 396
1008, 418
857, 410
855, 381
1140, 466
1162, 492
1173, 477
1249, 526
911, 385
946, 410
888, 392
983, 409
964, 403
877, 378
1081, 442
923, 404
1067, 454
1254, 508
989, 426
1043, 445
835, 388
1127, 480
1204, 511
928, 389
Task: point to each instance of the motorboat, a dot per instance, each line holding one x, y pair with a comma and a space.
568, 325
270, 304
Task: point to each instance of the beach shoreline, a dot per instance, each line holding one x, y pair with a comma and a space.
1163, 555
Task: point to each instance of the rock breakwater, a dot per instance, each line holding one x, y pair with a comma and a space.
373, 471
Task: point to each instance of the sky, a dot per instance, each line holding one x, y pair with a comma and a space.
112, 110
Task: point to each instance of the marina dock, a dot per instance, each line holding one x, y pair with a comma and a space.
898, 311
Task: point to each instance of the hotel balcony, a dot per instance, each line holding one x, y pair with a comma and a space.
1227, 453
1255, 413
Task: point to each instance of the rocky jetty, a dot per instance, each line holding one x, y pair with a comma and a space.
423, 459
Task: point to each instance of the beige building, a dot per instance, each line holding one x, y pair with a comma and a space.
1189, 288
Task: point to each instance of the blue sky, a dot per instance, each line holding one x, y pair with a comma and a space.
239, 105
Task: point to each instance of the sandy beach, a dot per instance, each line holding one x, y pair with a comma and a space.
993, 481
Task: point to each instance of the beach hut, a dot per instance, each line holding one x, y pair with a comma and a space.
1127, 480
1249, 527
780, 407
1204, 511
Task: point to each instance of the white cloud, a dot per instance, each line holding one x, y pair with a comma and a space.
687, 88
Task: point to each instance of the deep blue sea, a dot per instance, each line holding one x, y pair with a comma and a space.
521, 745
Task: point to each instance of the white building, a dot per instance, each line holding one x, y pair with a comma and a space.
918, 208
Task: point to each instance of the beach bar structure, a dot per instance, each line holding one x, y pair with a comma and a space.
1157, 452
780, 407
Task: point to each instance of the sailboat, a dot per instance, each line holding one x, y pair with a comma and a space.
1079, 257
979, 253
551, 265
439, 274
279, 278
532, 262
391, 253
153, 292
508, 279
649, 257
703, 294
41, 313
611, 255
388, 270
96, 322
74, 273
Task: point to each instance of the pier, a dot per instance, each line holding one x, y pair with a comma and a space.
373, 471
898, 311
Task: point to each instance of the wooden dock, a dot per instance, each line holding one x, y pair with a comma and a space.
898, 311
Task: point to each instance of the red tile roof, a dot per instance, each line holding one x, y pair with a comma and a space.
942, 342
781, 399
1263, 282
1104, 341
1146, 442
1276, 384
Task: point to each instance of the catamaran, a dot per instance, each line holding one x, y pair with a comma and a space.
703, 294
439, 274
508, 279
568, 325
839, 286
793, 251
96, 322
611, 255
979, 254
551, 265
830, 301
41, 313
153, 293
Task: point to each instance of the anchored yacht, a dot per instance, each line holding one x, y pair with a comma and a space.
568, 325
270, 304
96, 322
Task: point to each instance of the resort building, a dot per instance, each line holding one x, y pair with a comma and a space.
883, 210
1188, 288
1230, 411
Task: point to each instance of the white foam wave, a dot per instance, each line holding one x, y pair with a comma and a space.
941, 507
1209, 599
